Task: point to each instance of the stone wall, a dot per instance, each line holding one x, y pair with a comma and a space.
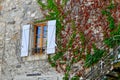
14, 14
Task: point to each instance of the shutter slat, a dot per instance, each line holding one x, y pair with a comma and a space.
51, 37
25, 40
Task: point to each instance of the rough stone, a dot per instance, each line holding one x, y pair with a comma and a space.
18, 66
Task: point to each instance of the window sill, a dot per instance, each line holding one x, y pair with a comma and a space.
35, 57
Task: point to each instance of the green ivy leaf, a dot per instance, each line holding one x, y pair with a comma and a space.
111, 6
75, 78
58, 56
105, 12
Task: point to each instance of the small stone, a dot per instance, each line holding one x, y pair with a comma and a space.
28, 2
10, 21
1, 42
13, 22
18, 66
33, 15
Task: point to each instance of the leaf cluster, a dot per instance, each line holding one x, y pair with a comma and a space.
114, 39
93, 58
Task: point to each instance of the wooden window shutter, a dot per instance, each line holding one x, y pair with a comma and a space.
118, 56
25, 40
51, 37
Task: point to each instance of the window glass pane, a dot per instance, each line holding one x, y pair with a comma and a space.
38, 36
38, 32
45, 32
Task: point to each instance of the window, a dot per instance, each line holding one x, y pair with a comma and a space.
38, 38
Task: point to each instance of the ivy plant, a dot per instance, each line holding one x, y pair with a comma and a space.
114, 39
74, 40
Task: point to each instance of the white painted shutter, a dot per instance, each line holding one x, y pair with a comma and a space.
51, 37
25, 40
118, 56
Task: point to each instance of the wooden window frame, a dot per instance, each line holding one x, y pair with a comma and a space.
41, 25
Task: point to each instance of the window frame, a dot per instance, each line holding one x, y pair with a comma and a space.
35, 26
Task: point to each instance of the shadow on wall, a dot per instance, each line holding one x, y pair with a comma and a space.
0, 7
